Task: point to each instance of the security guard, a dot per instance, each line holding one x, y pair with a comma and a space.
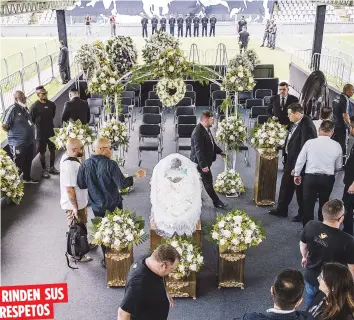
180, 25
273, 35
205, 22
172, 22
163, 24
243, 39
144, 23
188, 25
212, 25
266, 33
154, 23
196, 22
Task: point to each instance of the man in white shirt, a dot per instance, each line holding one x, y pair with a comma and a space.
73, 199
322, 157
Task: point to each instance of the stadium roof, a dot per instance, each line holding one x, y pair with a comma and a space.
12, 7
346, 3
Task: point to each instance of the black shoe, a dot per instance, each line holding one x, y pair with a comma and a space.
275, 212
103, 263
220, 205
54, 170
45, 174
262, 45
297, 218
30, 181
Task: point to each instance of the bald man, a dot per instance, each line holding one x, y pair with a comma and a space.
73, 200
17, 122
103, 179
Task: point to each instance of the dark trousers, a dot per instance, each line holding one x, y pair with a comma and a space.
204, 31
180, 31
23, 157
153, 30
212, 31
145, 31
64, 75
286, 192
320, 185
265, 37
243, 47
196, 31
340, 135
188, 30
172, 30
348, 200
163, 29
207, 179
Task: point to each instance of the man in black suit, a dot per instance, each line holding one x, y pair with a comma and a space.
76, 109
301, 130
203, 153
279, 104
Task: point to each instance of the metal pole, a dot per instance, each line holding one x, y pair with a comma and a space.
6, 67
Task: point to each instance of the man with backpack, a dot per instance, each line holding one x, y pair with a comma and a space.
73, 199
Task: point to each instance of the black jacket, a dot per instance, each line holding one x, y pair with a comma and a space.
349, 169
274, 108
304, 131
103, 179
76, 109
203, 151
63, 60
296, 315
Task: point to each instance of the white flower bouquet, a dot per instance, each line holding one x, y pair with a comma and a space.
11, 185
170, 64
170, 91
240, 60
252, 57
238, 79
118, 229
86, 57
232, 132
156, 43
122, 54
105, 81
191, 258
270, 135
75, 130
116, 132
236, 231
229, 183
100, 53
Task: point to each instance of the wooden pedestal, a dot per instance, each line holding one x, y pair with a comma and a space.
156, 240
118, 265
266, 177
231, 269
183, 288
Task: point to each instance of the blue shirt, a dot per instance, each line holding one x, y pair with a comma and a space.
103, 179
20, 129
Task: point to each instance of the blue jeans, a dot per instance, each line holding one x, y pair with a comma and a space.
311, 292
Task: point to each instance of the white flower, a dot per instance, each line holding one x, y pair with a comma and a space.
181, 268
222, 242
179, 250
215, 235
226, 234
72, 135
238, 219
171, 68
235, 241
115, 127
237, 230
240, 89
193, 267
115, 138
189, 258
200, 259
130, 237
233, 191
221, 224
233, 79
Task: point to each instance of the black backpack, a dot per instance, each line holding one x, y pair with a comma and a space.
77, 243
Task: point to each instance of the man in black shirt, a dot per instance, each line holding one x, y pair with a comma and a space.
76, 109
205, 21
196, 22
340, 107
163, 24
172, 22
180, 25
322, 242
241, 24
43, 113
145, 296
348, 194
243, 40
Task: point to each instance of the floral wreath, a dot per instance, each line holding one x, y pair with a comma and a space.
170, 91
156, 43
11, 185
232, 132
229, 183
122, 54
238, 80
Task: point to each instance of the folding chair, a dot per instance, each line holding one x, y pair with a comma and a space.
261, 93
149, 131
183, 111
185, 119
262, 119
213, 87
185, 102
96, 107
218, 94
153, 110
192, 95
153, 118
153, 95
137, 89
184, 131
189, 87
255, 112
153, 102
243, 96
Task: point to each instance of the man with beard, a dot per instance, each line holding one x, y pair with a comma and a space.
43, 113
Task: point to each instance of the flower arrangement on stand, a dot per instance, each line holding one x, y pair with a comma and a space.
234, 232
86, 57
105, 81
75, 130
229, 183
170, 64
240, 60
156, 43
11, 185
116, 132
238, 79
231, 132
170, 91
122, 54
100, 53
252, 57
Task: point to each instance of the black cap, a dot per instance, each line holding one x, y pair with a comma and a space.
73, 89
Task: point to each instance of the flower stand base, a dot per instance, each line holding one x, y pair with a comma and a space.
156, 239
182, 288
231, 269
118, 264
266, 177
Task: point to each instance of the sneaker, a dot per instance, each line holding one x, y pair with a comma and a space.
53, 170
45, 174
85, 258
30, 181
